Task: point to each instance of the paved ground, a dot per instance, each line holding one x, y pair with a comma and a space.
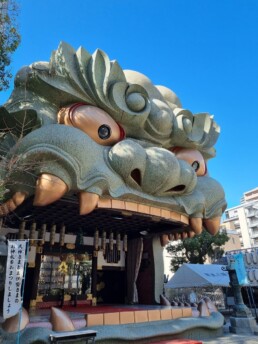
230, 338
222, 340
233, 339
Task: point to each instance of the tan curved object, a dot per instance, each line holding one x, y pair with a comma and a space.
11, 325
184, 235
190, 234
203, 309
212, 225
49, 189
196, 224
164, 240
88, 202
190, 156
210, 305
164, 301
171, 237
176, 236
60, 320
89, 118
12, 203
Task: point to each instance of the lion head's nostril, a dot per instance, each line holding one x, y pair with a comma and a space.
178, 188
136, 175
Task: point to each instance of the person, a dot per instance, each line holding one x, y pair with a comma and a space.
192, 297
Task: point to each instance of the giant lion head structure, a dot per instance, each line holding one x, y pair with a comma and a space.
81, 124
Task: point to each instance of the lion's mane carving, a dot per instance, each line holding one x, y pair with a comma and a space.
101, 131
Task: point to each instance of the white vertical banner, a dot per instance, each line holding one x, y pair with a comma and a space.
14, 276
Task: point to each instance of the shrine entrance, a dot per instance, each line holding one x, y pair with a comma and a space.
102, 257
111, 286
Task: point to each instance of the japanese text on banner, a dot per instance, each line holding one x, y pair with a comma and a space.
14, 277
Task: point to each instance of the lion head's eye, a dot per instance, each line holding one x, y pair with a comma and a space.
193, 157
104, 132
94, 122
196, 165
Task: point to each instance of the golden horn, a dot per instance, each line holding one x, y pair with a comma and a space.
212, 225
191, 234
88, 202
184, 235
164, 240
196, 225
49, 189
13, 202
176, 236
171, 237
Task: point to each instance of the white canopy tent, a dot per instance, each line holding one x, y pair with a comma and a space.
199, 275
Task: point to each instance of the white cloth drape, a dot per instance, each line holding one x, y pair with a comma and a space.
134, 257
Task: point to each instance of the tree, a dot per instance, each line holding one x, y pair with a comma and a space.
9, 39
196, 249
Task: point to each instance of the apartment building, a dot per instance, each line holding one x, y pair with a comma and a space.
244, 219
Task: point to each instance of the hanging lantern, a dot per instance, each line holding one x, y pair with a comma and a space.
32, 235
125, 242
52, 235
62, 236
111, 241
118, 242
103, 241
96, 240
42, 234
21, 230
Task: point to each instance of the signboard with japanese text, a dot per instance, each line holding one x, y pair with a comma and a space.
14, 277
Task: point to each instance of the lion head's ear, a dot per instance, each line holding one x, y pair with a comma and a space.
18, 121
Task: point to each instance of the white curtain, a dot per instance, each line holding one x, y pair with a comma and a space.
134, 257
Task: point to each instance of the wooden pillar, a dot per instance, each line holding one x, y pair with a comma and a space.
94, 274
36, 274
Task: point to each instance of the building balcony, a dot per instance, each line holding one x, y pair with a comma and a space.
231, 216
253, 224
249, 214
254, 235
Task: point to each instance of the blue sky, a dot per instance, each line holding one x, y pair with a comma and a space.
206, 51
